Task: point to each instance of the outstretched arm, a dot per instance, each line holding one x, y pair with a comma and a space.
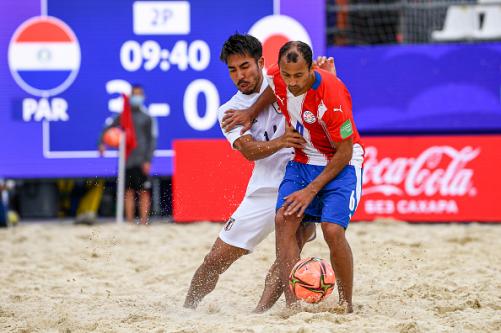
233, 118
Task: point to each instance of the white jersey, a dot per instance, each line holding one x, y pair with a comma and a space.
270, 123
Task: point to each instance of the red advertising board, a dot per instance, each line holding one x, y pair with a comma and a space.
425, 178
209, 180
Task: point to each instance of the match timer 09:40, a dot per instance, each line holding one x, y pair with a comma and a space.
159, 18
149, 55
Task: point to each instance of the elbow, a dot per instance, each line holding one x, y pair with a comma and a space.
249, 156
347, 155
247, 151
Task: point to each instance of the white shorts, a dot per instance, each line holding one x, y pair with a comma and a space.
252, 222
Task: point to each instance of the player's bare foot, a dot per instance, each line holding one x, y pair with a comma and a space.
260, 309
190, 305
296, 305
348, 307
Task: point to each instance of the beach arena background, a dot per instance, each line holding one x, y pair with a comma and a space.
425, 79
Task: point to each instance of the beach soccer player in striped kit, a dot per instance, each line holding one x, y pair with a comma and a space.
324, 178
270, 145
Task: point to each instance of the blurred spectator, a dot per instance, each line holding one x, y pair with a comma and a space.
138, 163
80, 198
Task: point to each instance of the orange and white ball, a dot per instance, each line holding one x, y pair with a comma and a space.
312, 279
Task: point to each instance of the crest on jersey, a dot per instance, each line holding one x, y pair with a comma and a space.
309, 117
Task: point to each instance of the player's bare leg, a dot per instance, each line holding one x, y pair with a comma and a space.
272, 285
287, 249
144, 206
129, 205
216, 262
342, 262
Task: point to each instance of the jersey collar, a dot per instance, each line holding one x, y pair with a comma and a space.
318, 80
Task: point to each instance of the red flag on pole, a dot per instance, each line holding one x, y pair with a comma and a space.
127, 124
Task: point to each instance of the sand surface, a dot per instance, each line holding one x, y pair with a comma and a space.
110, 278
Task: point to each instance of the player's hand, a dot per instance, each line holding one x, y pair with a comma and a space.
102, 149
291, 138
234, 118
297, 202
146, 168
326, 64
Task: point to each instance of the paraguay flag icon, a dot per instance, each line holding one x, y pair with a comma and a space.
44, 56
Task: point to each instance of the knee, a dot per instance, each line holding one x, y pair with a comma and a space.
333, 233
280, 220
285, 226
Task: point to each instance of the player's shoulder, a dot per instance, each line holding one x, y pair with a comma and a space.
329, 83
328, 79
273, 70
230, 104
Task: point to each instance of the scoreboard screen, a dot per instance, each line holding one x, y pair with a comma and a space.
66, 64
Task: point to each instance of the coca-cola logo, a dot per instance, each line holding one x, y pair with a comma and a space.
439, 170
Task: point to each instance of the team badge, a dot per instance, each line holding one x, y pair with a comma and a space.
309, 117
229, 224
346, 129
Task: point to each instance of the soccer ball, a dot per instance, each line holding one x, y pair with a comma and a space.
112, 137
312, 279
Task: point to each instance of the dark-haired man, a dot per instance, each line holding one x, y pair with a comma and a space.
269, 144
324, 178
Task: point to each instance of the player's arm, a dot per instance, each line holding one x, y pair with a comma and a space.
344, 152
233, 118
340, 130
255, 150
297, 202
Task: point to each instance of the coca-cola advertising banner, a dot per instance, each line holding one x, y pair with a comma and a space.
432, 178
416, 179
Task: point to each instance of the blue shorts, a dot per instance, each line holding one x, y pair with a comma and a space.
335, 203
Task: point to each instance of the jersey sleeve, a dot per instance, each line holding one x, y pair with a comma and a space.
338, 113
234, 134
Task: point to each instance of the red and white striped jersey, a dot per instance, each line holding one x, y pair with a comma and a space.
322, 115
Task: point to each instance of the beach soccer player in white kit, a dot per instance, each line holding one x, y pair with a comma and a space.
270, 145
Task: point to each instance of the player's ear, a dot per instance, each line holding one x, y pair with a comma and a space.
260, 63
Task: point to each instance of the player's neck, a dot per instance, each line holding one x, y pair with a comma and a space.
258, 85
